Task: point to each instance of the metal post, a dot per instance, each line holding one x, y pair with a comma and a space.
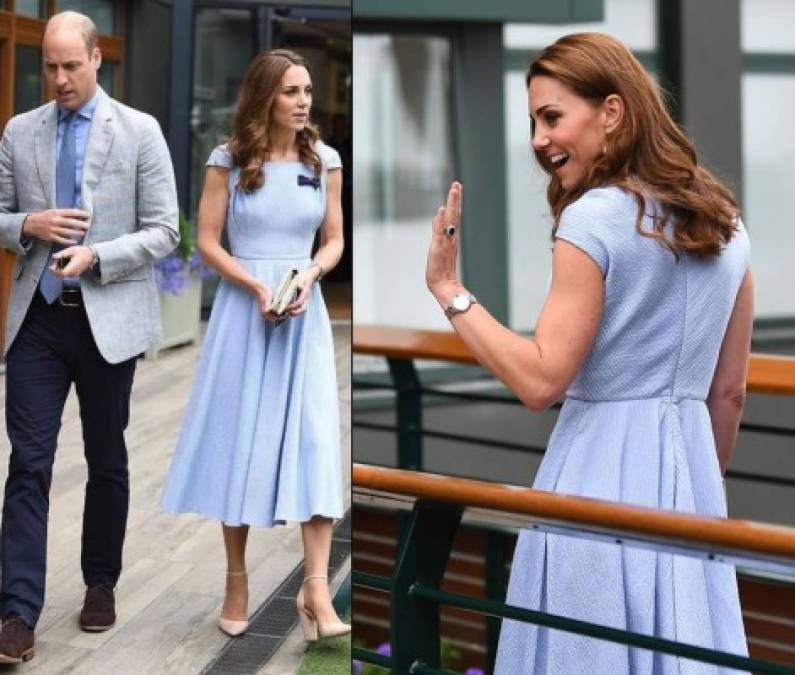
480, 153
409, 413
414, 622
701, 63
496, 582
179, 109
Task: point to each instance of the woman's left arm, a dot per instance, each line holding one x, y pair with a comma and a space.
538, 369
331, 241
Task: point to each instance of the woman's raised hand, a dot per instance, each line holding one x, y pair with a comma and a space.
441, 271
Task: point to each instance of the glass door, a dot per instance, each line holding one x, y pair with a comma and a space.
324, 39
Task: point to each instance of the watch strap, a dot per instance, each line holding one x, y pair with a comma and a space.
451, 310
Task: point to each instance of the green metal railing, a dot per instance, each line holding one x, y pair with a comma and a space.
416, 597
425, 536
410, 394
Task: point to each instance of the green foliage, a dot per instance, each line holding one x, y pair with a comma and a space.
328, 657
187, 237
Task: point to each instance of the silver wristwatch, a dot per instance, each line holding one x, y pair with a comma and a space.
460, 304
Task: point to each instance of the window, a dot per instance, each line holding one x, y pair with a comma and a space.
216, 82
768, 150
102, 12
35, 8
27, 78
403, 163
107, 77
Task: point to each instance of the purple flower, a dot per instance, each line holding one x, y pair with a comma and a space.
385, 649
173, 273
474, 671
356, 667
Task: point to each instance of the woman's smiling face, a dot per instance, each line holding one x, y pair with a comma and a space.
569, 131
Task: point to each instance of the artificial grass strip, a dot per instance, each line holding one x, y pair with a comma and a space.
328, 657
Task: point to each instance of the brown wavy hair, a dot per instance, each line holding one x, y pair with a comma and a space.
647, 155
250, 141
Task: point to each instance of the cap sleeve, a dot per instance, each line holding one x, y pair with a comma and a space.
329, 156
220, 157
581, 226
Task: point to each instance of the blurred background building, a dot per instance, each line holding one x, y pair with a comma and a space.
439, 93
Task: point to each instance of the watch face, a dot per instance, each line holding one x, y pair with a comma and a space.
461, 302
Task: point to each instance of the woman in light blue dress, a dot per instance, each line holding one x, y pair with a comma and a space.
646, 329
260, 442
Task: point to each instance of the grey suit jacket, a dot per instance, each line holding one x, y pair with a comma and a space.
129, 190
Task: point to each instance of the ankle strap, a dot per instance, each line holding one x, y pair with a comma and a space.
314, 576
237, 574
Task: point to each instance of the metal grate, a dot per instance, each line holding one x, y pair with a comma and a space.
275, 619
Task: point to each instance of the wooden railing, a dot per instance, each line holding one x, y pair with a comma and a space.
728, 536
415, 586
766, 374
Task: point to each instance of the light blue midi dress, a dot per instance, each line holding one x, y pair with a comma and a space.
634, 428
260, 440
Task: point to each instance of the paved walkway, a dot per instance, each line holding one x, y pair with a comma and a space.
171, 589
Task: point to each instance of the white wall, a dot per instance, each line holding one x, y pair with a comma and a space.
768, 145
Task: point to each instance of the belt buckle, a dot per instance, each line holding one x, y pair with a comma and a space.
68, 294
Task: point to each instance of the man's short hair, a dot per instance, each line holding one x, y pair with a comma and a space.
81, 22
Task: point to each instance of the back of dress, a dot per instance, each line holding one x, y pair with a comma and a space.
635, 429
635, 416
664, 318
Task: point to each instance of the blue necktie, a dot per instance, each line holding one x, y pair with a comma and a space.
50, 285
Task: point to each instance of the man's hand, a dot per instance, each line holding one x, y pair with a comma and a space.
63, 226
80, 258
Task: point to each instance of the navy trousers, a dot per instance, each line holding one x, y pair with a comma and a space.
53, 349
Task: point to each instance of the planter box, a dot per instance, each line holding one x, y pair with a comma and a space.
181, 316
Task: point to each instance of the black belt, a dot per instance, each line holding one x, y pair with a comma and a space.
71, 297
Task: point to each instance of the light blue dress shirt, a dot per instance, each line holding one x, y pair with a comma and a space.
82, 124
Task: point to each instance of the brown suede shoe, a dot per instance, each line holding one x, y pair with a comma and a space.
16, 641
99, 611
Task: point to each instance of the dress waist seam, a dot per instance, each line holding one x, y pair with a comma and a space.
668, 398
270, 257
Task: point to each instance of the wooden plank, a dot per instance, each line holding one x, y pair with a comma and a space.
55, 659
766, 374
771, 374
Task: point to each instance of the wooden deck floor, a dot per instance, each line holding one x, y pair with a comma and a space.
171, 588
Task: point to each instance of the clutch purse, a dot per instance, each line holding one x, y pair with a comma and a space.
287, 292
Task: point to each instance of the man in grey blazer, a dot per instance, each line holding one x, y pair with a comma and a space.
88, 201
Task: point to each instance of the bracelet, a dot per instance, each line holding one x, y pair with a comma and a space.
319, 276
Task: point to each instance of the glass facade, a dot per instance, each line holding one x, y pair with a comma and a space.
28, 78
216, 82
403, 165
35, 8
102, 12
107, 78
768, 149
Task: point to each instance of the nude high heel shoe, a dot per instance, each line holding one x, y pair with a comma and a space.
232, 627
313, 629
